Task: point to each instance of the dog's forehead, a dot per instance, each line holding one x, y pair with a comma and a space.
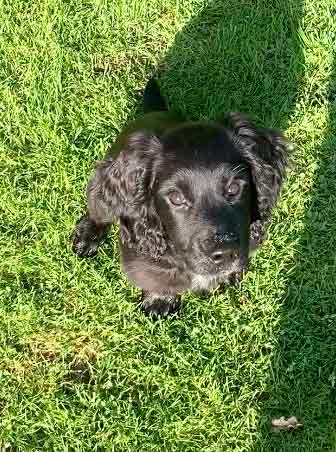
206, 144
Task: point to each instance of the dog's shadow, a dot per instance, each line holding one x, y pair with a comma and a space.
237, 56
250, 59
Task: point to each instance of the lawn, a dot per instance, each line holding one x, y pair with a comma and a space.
81, 368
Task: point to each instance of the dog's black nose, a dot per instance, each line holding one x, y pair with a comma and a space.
224, 247
221, 247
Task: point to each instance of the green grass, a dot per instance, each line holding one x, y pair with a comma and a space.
80, 367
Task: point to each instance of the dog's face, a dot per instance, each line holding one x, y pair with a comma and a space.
196, 190
203, 194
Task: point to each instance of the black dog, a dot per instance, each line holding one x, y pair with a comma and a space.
192, 200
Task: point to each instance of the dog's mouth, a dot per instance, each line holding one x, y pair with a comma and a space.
234, 261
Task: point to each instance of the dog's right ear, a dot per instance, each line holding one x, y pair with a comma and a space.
120, 187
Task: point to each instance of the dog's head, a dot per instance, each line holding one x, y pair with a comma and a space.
196, 190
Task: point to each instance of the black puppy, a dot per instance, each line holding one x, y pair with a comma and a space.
192, 200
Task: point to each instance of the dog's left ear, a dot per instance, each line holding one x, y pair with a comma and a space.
267, 152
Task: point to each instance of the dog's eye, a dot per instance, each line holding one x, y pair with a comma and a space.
233, 189
176, 198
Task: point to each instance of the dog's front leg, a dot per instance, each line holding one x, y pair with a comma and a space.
88, 235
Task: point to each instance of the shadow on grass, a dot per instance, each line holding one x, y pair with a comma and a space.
251, 60
237, 56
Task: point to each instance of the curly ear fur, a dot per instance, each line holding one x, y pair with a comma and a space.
121, 189
267, 152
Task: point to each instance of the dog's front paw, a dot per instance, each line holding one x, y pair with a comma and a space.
87, 237
159, 305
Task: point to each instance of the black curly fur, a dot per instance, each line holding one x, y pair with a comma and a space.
266, 150
124, 188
